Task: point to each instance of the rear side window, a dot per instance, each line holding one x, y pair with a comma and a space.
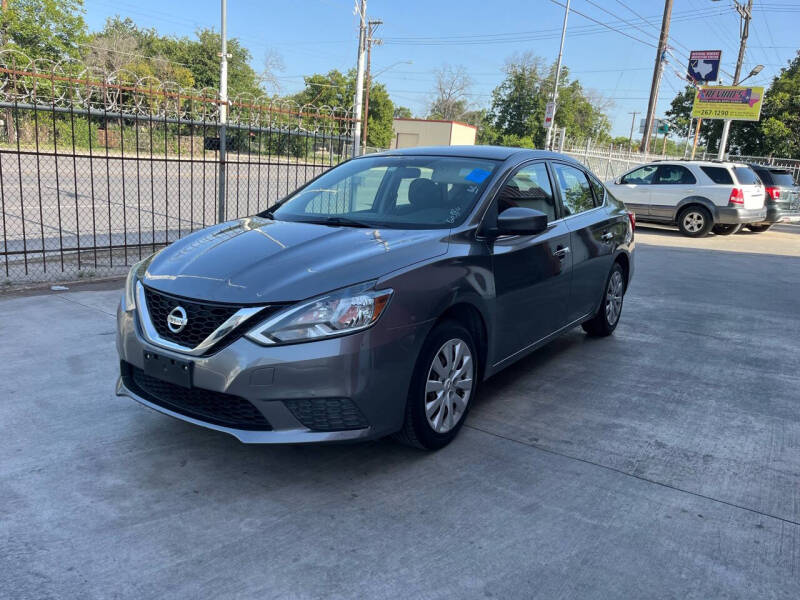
598, 189
640, 176
675, 175
719, 175
746, 176
764, 175
783, 178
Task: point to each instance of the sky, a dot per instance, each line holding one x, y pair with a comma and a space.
420, 36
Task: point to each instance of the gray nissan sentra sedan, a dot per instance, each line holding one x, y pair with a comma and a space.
376, 298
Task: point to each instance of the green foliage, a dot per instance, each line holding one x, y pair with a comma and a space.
778, 131
337, 89
122, 45
518, 106
52, 29
403, 112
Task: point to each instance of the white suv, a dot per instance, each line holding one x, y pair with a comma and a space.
697, 196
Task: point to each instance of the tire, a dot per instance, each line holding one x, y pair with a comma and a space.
418, 429
607, 317
695, 221
759, 228
720, 229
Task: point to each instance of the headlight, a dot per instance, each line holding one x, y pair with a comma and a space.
337, 313
129, 294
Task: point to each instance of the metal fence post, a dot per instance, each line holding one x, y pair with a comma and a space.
586, 152
608, 163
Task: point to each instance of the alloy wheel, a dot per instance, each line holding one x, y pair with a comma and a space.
614, 293
449, 385
694, 221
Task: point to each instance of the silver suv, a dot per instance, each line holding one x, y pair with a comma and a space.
697, 196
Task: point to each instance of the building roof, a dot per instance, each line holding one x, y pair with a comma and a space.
436, 121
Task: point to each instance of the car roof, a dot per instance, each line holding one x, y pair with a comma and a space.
699, 163
770, 168
485, 152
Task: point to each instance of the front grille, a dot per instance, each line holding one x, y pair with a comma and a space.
327, 414
206, 405
202, 317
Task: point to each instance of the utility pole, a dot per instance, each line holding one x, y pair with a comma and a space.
223, 107
371, 27
361, 7
657, 70
745, 14
633, 123
549, 130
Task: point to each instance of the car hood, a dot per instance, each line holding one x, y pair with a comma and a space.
257, 260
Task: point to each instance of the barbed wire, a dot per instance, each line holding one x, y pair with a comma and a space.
70, 84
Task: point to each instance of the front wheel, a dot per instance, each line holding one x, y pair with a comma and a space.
442, 386
759, 228
720, 229
695, 221
605, 320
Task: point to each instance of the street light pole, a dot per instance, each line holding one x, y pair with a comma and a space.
745, 14
657, 70
359, 99
223, 107
549, 130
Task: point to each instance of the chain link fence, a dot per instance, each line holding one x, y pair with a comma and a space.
98, 170
609, 162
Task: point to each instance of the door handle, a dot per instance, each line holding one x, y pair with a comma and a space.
561, 252
607, 236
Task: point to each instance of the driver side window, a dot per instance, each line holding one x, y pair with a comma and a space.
530, 188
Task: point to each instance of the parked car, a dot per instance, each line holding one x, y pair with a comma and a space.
781, 197
697, 196
376, 298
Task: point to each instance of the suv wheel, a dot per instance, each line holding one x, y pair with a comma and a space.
606, 319
442, 386
759, 228
695, 221
720, 229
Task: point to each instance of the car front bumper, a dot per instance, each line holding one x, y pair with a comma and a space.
368, 370
733, 216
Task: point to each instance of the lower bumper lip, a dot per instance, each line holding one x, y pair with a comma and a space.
283, 436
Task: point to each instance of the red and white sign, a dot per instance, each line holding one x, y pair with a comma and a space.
549, 113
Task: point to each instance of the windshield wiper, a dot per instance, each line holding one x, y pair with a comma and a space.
341, 221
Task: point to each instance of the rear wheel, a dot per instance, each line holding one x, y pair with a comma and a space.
695, 221
605, 320
759, 228
442, 387
720, 229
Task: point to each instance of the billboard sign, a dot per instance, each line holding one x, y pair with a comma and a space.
704, 65
549, 113
735, 102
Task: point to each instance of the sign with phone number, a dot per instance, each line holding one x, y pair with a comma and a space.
737, 103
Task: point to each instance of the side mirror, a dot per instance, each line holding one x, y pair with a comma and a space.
519, 220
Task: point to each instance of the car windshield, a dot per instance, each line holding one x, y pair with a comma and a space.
403, 192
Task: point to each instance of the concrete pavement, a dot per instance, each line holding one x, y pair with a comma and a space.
662, 462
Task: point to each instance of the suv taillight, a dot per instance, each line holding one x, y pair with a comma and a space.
774, 193
737, 196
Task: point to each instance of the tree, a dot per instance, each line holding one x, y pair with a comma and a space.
52, 29
336, 89
778, 131
518, 105
403, 112
450, 93
189, 62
